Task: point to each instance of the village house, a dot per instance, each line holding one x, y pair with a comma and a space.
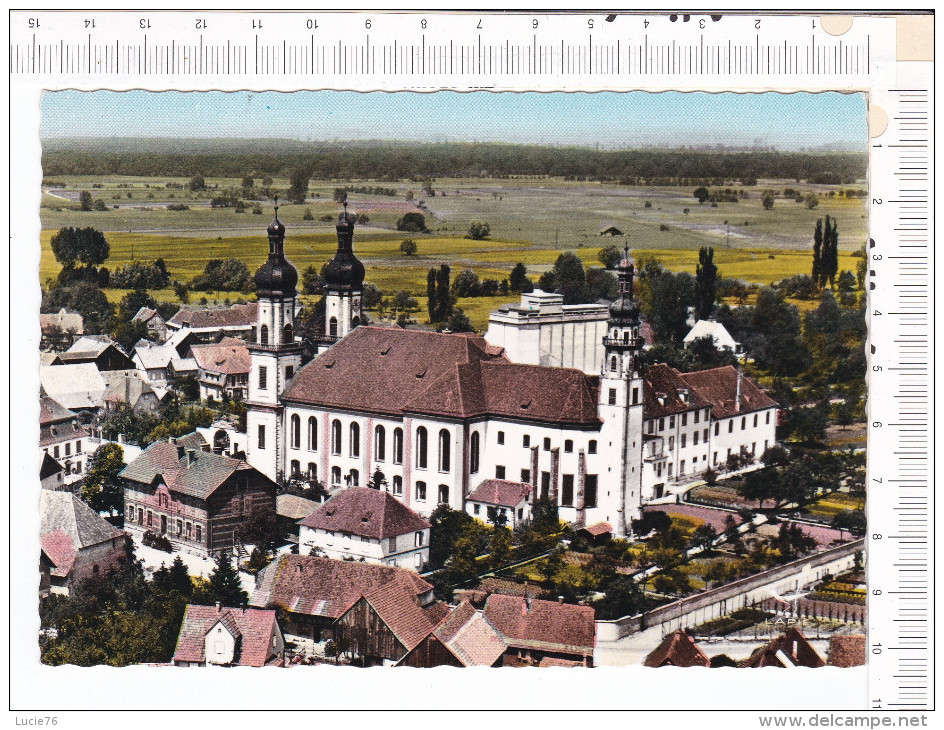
677, 649
790, 649
229, 637
156, 326
716, 331
127, 388
60, 329
77, 387
223, 368
463, 639
212, 325
542, 330
63, 438
315, 592
500, 501
153, 361
76, 543
542, 633
51, 474
101, 350
196, 499
367, 524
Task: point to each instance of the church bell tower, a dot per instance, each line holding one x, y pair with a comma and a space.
275, 355
343, 284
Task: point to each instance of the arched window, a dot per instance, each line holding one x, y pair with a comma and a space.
355, 440
380, 443
312, 471
398, 485
335, 475
264, 335
296, 469
355, 322
335, 437
312, 433
421, 448
333, 327
613, 363
296, 431
443, 495
355, 478
626, 336
444, 451
398, 446
287, 335
474, 453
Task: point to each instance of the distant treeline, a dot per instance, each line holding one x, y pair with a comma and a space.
392, 161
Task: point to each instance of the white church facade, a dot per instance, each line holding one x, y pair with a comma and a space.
430, 416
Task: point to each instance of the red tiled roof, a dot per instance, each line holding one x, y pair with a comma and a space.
366, 512
546, 625
51, 411
229, 356
199, 479
61, 551
718, 386
254, 628
678, 649
847, 650
470, 637
664, 392
239, 315
396, 605
791, 646
598, 528
500, 492
395, 371
324, 587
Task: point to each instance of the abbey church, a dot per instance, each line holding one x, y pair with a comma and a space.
436, 418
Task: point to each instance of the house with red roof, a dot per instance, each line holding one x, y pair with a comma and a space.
76, 543
502, 500
210, 324
677, 649
229, 637
64, 439
223, 368
464, 638
367, 524
537, 631
195, 498
314, 593
790, 649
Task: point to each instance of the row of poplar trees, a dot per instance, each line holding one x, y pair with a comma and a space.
825, 252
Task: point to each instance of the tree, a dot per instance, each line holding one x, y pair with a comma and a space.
218, 275
706, 281
85, 245
851, 520
518, 280
127, 333
408, 247
760, 485
371, 295
447, 525
466, 284
458, 322
412, 223
767, 200
701, 194
792, 542
479, 230
831, 251
248, 182
431, 294
225, 586
197, 183
267, 182
135, 427
818, 253
298, 185
499, 547
463, 565
132, 302
779, 347
444, 300
86, 299
704, 536
545, 521
85, 200
181, 292
101, 489
623, 597
610, 255
665, 299
260, 528
567, 277
175, 578
311, 280
811, 200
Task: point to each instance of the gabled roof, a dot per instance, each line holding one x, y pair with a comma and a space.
125, 387
149, 355
678, 649
64, 320
229, 356
198, 479
73, 386
396, 605
715, 330
179, 339
719, 386
68, 525
666, 393
238, 315
847, 650
93, 345
470, 637
51, 411
144, 314
790, 649
366, 512
253, 626
294, 507
546, 625
395, 371
49, 467
500, 492
323, 587
598, 528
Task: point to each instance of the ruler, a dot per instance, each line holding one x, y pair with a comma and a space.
518, 51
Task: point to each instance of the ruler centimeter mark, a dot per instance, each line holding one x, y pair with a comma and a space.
643, 56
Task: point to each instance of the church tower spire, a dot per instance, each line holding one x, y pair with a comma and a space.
275, 355
343, 283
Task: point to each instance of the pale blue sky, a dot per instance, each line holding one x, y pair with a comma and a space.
633, 119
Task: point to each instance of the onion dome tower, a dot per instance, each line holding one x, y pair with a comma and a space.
621, 392
343, 283
275, 355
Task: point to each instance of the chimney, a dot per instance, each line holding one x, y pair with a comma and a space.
180, 451
737, 397
218, 607
560, 599
527, 603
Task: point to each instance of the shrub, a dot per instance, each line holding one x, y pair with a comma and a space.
156, 541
